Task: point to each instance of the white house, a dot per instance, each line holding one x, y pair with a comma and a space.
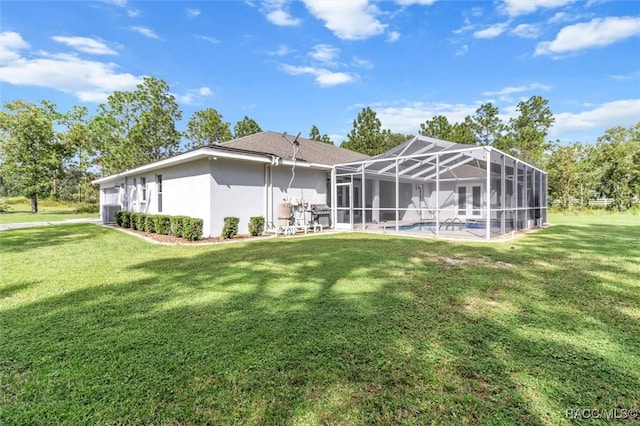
423, 186
244, 177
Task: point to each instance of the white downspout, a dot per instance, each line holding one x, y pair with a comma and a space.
488, 191
437, 195
334, 199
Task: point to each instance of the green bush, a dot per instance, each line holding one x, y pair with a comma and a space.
256, 225
150, 223
137, 221
163, 224
177, 225
4, 206
125, 218
119, 217
132, 221
87, 208
192, 229
230, 228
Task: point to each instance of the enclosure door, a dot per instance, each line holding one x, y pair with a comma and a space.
344, 203
469, 200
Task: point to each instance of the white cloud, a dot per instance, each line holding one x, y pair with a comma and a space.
193, 96
559, 17
10, 45
462, 50
526, 31
147, 32
133, 13
511, 90
324, 77
121, 3
624, 112
408, 117
283, 50
89, 81
282, 19
362, 63
211, 40
325, 53
411, 2
348, 20
493, 31
86, 45
393, 36
420, 2
523, 7
597, 33
192, 13
631, 76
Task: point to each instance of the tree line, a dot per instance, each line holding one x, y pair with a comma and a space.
48, 153
576, 173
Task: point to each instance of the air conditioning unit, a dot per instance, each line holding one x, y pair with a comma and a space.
109, 213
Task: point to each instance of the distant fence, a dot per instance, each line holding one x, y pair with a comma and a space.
598, 202
601, 202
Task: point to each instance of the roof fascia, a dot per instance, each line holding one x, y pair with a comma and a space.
186, 157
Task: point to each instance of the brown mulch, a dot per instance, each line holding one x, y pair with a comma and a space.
170, 239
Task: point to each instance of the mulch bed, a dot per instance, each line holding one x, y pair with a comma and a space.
170, 239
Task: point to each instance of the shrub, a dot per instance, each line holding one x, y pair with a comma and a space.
87, 208
230, 228
133, 221
150, 223
256, 225
177, 225
125, 218
192, 229
137, 221
163, 224
4, 206
119, 217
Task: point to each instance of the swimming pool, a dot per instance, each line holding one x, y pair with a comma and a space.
431, 227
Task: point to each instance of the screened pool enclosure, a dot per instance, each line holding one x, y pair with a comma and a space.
427, 186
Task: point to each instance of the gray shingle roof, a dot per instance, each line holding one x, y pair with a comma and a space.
308, 150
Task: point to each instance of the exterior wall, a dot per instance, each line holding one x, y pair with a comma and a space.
185, 191
212, 189
237, 190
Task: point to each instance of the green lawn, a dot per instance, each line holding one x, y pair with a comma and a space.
101, 327
47, 212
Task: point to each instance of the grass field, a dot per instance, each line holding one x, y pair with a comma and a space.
48, 211
101, 327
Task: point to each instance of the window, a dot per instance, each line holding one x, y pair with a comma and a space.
159, 189
477, 199
462, 200
143, 184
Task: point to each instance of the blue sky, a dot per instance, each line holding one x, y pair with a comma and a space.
292, 64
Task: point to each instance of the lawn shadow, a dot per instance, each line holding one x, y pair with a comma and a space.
332, 329
25, 239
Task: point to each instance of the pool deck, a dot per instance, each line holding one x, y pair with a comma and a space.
470, 234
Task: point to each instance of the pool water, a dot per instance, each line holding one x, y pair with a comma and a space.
431, 227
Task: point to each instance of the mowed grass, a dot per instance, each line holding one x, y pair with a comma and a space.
101, 327
48, 211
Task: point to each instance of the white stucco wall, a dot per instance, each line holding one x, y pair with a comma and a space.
237, 190
214, 188
186, 190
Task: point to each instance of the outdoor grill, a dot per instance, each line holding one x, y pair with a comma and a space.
320, 214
